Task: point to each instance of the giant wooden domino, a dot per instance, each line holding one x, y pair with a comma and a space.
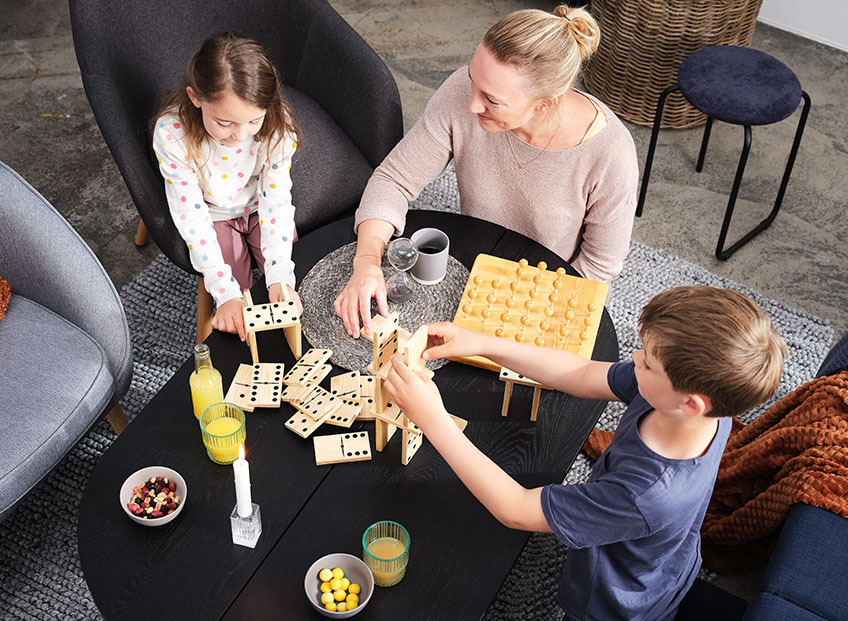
389, 339
510, 378
279, 315
256, 386
530, 305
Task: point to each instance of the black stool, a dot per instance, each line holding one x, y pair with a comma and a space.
741, 86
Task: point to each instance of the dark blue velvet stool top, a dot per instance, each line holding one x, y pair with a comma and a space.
739, 85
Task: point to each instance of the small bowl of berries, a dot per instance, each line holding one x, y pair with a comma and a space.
153, 496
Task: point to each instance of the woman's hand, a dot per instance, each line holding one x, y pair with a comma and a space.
419, 398
448, 340
229, 317
275, 294
355, 299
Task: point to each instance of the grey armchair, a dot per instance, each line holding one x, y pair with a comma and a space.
65, 352
343, 95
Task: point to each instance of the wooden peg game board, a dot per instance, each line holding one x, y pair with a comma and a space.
530, 304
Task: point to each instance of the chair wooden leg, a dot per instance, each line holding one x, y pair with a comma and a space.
142, 235
204, 311
117, 419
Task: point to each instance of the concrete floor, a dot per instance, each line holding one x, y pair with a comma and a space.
50, 137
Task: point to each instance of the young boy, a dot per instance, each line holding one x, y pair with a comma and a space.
633, 529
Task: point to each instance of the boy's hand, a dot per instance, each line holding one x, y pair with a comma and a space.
448, 340
418, 397
229, 317
275, 294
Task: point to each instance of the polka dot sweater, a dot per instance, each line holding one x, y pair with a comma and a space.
231, 182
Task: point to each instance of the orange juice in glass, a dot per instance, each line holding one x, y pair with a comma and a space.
222, 427
385, 550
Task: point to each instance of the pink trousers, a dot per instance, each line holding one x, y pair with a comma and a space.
239, 239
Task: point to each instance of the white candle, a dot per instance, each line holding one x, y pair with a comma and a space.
242, 473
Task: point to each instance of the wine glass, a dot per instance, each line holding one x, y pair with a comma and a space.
402, 254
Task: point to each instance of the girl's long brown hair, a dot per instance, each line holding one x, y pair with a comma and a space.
228, 62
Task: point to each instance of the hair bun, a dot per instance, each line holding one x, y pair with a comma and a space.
582, 26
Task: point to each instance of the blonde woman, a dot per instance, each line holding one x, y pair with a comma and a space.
531, 154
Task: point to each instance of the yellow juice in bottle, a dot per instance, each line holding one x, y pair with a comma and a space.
205, 382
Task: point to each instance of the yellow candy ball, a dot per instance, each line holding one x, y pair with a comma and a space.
339, 595
354, 588
352, 605
325, 575
342, 607
338, 573
345, 584
353, 598
327, 598
335, 584
325, 586
523, 262
331, 606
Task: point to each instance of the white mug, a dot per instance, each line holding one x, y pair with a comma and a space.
433, 247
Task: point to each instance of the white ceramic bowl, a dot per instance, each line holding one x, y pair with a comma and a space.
140, 476
355, 571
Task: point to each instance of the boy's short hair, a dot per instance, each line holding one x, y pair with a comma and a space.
717, 343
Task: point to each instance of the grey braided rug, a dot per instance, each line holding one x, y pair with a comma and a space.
40, 574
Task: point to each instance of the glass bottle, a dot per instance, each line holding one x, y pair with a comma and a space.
205, 382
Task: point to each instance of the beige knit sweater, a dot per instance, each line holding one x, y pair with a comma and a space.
578, 202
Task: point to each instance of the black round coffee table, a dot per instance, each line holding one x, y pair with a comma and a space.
460, 554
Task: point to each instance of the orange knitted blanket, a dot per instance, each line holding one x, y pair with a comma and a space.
797, 451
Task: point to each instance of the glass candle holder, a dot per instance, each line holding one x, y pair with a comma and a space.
223, 430
385, 550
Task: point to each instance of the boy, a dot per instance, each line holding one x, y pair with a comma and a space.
633, 528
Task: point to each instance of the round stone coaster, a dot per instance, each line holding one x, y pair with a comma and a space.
324, 282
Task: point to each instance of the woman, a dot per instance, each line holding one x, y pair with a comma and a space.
531, 154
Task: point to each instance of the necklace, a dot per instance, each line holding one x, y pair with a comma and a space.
535, 157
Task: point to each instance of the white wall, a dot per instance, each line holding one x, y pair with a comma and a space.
825, 21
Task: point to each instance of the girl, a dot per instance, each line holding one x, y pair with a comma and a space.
224, 143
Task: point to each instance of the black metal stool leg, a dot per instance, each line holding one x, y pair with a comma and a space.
799, 132
728, 214
704, 142
649, 160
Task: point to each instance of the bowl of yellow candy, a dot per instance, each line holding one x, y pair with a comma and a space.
338, 585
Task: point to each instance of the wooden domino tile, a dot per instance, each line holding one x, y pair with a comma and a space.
304, 425
270, 316
368, 400
309, 364
531, 304
411, 443
342, 448
256, 385
344, 415
346, 385
298, 393
320, 405
507, 375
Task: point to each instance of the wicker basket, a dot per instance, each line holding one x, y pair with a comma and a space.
643, 42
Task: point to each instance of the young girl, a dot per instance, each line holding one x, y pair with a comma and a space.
224, 144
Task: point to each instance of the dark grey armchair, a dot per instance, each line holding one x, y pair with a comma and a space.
343, 96
65, 353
